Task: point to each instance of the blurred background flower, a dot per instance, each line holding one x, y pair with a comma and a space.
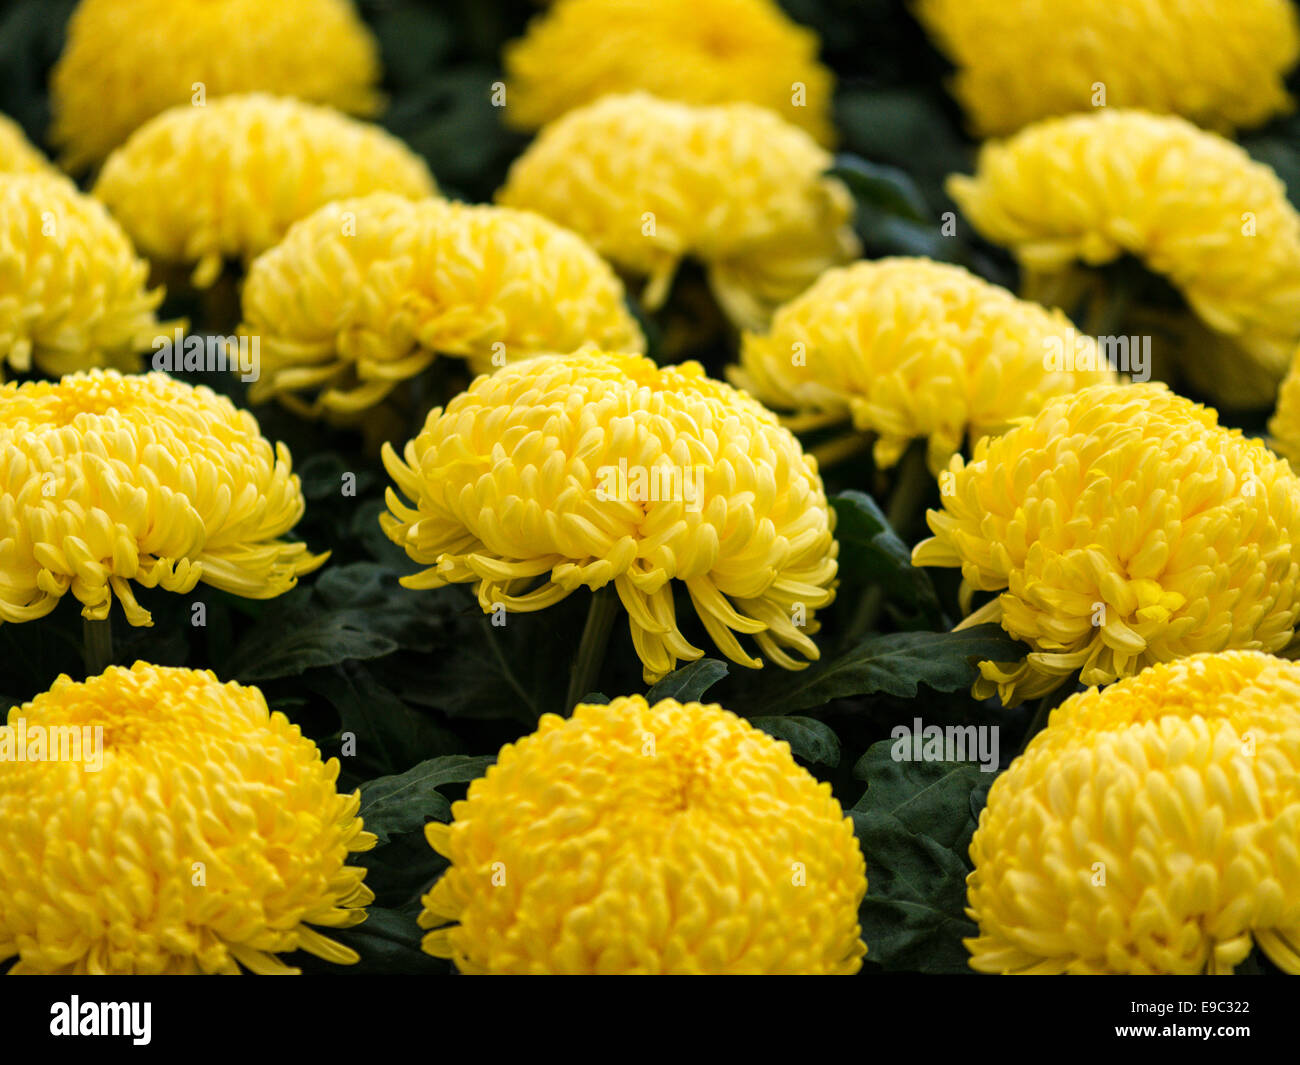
204, 184
1072, 194
651, 182
75, 292
1220, 63
125, 63
364, 294
910, 348
696, 51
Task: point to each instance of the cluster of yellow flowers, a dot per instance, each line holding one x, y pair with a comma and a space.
1126, 537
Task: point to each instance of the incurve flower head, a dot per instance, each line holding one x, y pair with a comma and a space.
107, 479
1150, 828
674, 838
75, 292
364, 294
650, 182
180, 828
561, 472
1194, 208
202, 184
695, 51
1123, 526
1220, 63
910, 348
17, 154
122, 65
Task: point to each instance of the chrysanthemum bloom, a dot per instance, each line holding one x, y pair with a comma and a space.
650, 182
366, 293
674, 838
1150, 828
562, 472
17, 154
1284, 427
1128, 527
910, 348
1220, 63
125, 63
696, 51
74, 293
107, 479
1083, 191
201, 184
169, 823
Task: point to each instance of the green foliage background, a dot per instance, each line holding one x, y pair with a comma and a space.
431, 689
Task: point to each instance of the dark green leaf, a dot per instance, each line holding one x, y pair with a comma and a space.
306, 640
811, 740
897, 664
885, 188
389, 734
872, 553
688, 683
914, 824
403, 803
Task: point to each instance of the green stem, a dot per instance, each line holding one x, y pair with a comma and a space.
910, 488
591, 650
97, 639
1046, 705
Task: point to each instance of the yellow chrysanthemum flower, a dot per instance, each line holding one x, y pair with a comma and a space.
179, 828
650, 182
17, 154
124, 64
1194, 208
696, 51
366, 293
1220, 63
647, 839
107, 479
1150, 828
909, 348
1128, 527
74, 292
200, 184
1284, 427
560, 472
